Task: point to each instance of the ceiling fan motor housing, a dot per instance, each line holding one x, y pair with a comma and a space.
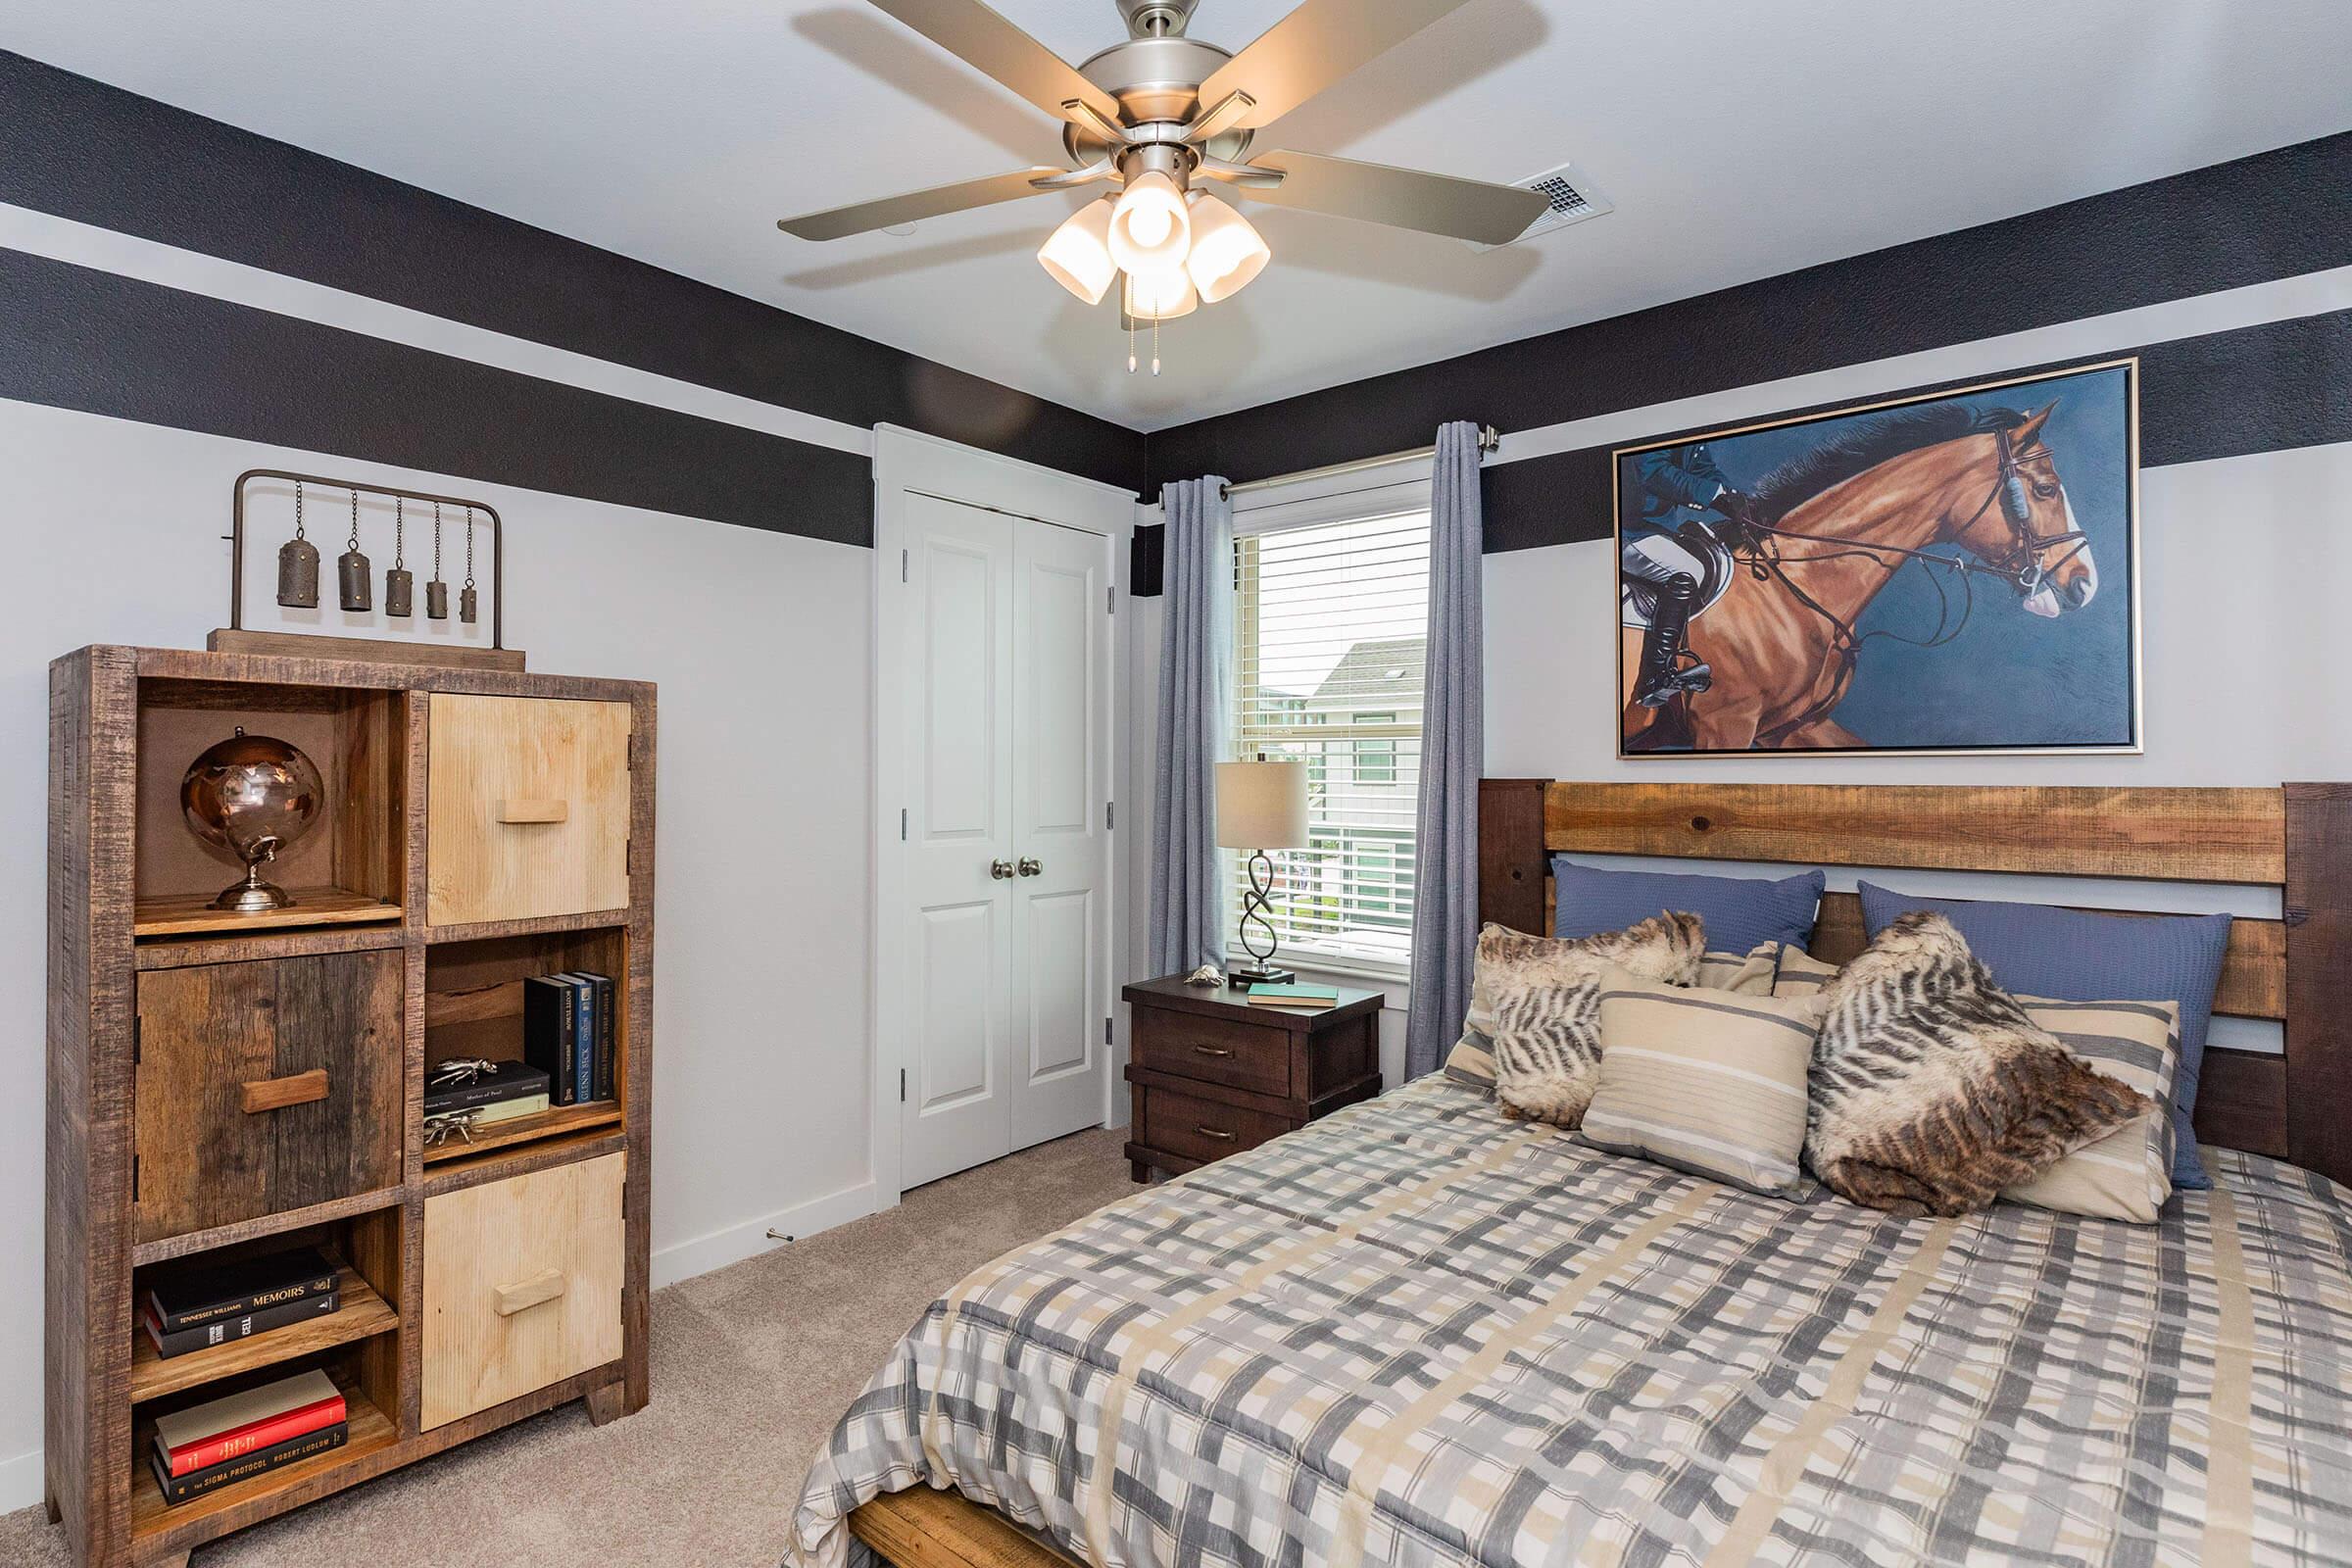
1156, 81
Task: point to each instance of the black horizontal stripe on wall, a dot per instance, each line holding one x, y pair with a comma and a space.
2252, 389
2271, 216
100, 343
100, 155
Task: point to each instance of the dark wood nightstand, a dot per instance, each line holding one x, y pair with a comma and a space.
1211, 1075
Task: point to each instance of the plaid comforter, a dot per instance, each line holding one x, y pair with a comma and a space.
1418, 1332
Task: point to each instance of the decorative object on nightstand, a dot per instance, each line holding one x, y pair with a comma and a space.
1211, 1075
253, 796
1261, 805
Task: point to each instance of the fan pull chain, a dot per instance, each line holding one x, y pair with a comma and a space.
1131, 345
1155, 345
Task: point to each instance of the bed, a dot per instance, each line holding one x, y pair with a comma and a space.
1416, 1332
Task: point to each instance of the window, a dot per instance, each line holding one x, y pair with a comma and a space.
1330, 630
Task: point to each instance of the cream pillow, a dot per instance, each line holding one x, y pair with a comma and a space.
2128, 1174
1707, 1081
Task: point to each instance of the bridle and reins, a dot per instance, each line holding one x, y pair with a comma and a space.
2020, 565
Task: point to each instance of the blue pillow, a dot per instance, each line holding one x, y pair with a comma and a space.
2035, 949
1742, 912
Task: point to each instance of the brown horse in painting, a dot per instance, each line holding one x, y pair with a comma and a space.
1836, 526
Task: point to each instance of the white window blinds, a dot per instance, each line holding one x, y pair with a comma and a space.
1331, 627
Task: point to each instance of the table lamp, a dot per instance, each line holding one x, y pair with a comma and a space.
1261, 805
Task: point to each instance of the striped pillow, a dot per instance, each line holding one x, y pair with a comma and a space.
1747, 974
1512, 967
1711, 1082
1800, 974
2128, 1174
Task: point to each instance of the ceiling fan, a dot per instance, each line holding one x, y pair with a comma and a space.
1161, 115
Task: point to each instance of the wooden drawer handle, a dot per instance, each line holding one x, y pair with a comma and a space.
1212, 1051
533, 811
1217, 1133
539, 1287
276, 1094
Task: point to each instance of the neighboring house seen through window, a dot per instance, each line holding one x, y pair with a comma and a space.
1330, 638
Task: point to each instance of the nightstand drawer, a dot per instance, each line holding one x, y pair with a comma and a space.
1203, 1130
1217, 1051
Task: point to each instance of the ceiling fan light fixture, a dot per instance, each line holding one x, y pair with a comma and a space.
1150, 228
1077, 254
1159, 296
1227, 249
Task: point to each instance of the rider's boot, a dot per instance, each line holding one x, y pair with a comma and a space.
1662, 675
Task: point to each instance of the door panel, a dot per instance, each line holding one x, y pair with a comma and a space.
961, 957
1061, 728
266, 1086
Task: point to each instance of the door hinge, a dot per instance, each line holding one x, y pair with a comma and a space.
902, 566
1106, 1031
901, 1086
1108, 820
1110, 601
902, 824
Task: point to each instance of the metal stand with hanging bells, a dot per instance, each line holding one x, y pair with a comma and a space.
298, 562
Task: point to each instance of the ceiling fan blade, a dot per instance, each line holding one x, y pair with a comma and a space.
1404, 198
996, 48
841, 222
1313, 47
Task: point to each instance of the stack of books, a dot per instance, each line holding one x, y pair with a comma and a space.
201, 1306
567, 1029
1300, 999
235, 1437
488, 1092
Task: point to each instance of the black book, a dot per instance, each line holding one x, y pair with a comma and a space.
601, 1074
549, 1035
245, 1466
202, 1293
506, 1080
222, 1330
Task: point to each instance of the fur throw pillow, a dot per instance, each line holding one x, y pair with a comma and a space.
1933, 1090
1543, 995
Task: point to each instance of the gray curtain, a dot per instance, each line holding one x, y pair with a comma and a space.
1453, 755
1196, 686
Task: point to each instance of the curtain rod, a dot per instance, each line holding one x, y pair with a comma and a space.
1488, 438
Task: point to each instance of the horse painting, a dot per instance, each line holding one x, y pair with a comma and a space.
1963, 494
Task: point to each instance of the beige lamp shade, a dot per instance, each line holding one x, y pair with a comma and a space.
1261, 805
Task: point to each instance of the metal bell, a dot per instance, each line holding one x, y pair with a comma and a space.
352, 580
298, 574
436, 600
400, 592
466, 604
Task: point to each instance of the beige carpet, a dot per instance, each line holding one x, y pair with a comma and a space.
752, 1366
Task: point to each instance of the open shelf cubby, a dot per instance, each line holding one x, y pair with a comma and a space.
372, 1427
473, 1006
348, 868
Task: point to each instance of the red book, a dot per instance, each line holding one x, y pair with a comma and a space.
244, 1423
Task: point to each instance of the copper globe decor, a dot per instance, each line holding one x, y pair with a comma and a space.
253, 796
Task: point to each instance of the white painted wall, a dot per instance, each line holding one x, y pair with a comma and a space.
758, 641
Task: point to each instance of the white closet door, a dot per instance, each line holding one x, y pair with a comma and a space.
1061, 788
956, 1109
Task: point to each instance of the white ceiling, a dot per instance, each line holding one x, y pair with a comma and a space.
1739, 138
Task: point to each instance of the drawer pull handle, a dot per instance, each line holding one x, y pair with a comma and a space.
534, 811
1217, 1133
539, 1287
1212, 1051
276, 1094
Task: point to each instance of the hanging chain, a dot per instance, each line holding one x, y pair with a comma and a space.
298, 509
354, 520
400, 534
470, 547
436, 540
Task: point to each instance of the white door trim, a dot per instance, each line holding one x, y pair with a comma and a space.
907, 461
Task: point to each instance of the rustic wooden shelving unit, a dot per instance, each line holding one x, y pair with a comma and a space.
221, 1084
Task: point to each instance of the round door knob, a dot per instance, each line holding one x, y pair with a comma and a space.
1002, 871
1031, 866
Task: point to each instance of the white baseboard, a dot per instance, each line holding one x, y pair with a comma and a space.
20, 1482
732, 1244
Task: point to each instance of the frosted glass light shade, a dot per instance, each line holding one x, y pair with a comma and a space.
1159, 296
1261, 805
1077, 254
1227, 252
1151, 229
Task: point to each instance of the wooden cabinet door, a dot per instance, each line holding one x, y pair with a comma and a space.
266, 1086
522, 1284
527, 807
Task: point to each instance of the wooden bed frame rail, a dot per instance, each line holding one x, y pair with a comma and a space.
2297, 970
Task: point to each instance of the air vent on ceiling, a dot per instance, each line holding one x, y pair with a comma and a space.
1571, 198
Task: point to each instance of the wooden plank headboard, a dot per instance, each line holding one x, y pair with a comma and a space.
2298, 970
